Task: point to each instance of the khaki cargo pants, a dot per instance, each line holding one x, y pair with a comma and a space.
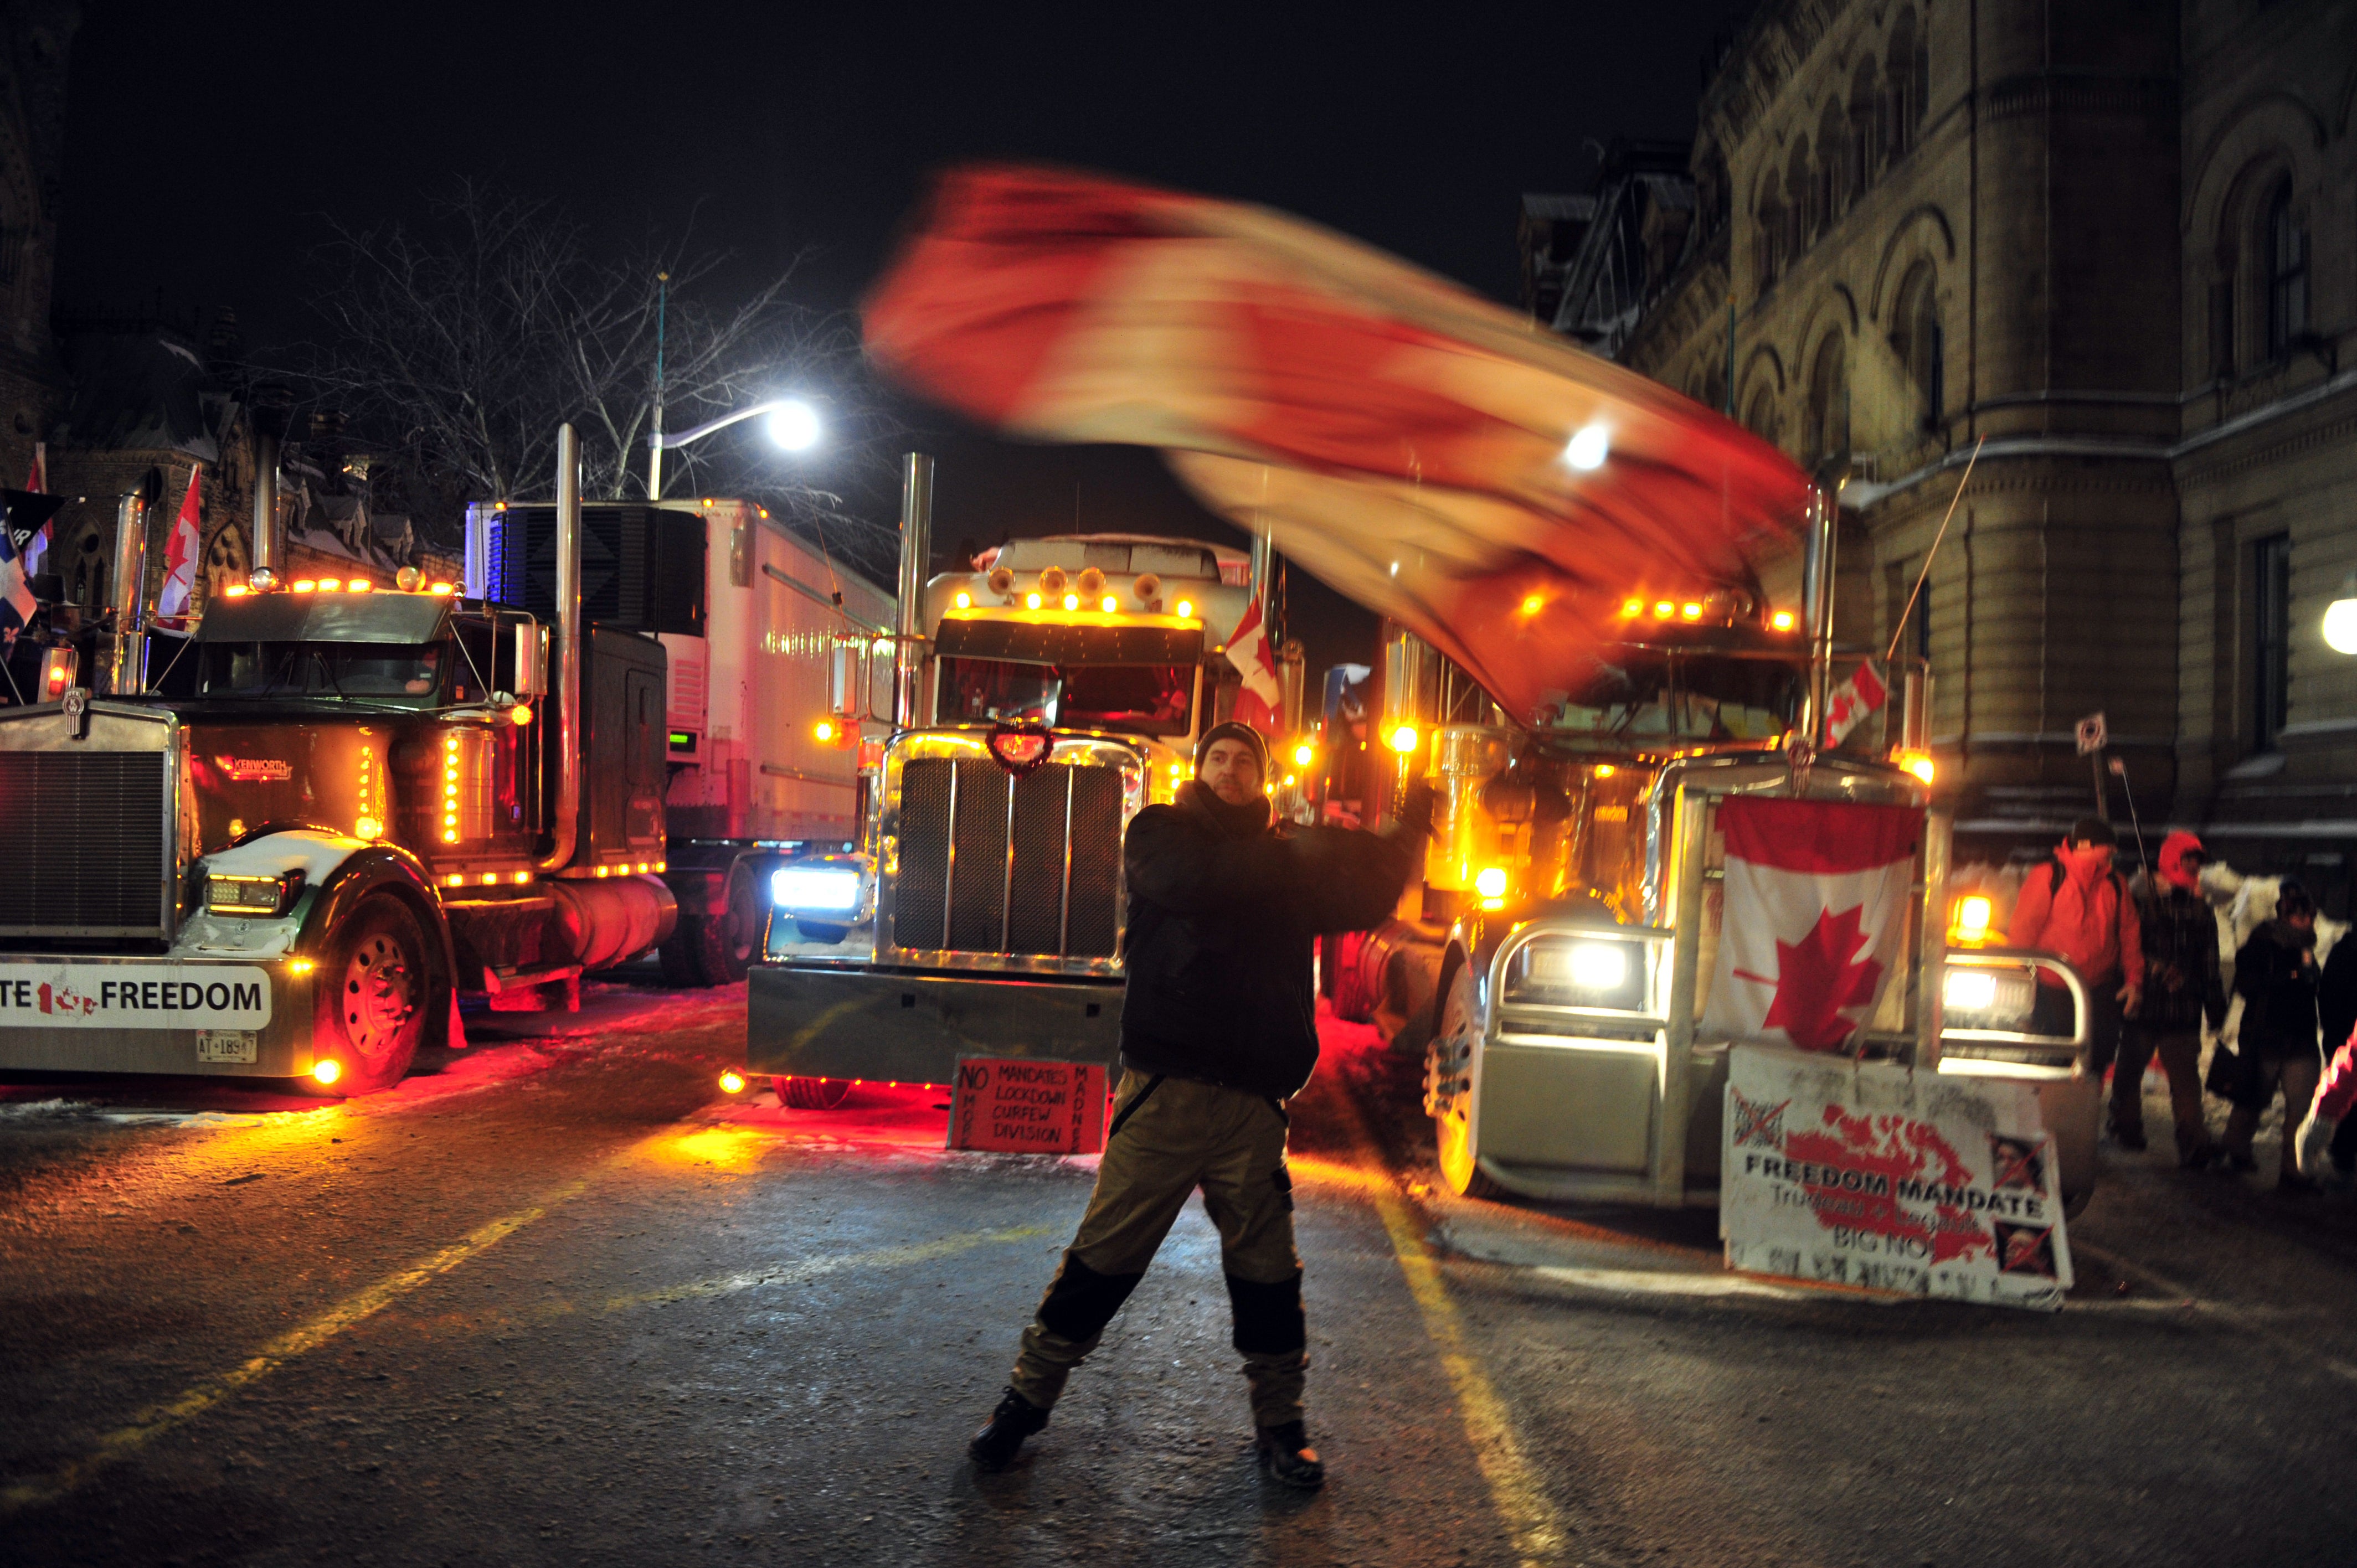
1170, 1136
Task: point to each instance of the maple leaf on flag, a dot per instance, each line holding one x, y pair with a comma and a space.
1816, 979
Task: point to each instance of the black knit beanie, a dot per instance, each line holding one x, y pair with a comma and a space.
1233, 731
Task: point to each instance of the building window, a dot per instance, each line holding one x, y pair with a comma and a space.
1909, 70
1917, 339
2270, 638
2286, 270
1827, 434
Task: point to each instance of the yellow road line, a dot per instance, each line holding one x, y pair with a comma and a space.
154, 1422
1514, 1489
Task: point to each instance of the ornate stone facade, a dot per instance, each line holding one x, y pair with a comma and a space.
2112, 245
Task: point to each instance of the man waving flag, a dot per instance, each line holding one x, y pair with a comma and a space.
1430, 455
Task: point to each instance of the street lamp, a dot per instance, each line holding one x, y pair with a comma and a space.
794, 425
2340, 618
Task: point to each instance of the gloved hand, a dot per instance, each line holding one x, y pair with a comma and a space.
1415, 809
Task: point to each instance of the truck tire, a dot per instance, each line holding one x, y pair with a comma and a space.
1451, 1130
721, 946
1350, 999
813, 1093
369, 1014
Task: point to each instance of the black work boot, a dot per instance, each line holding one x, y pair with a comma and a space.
1015, 1419
1285, 1453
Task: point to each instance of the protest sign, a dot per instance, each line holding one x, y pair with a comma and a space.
1008, 1105
1873, 1174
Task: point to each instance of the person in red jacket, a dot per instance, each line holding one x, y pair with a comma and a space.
2077, 906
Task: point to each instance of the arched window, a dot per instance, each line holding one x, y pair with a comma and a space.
1862, 153
1910, 69
1835, 181
1800, 188
2284, 258
1768, 239
1760, 416
1713, 200
1825, 428
1916, 340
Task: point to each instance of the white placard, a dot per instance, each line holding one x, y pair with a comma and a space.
65, 996
1879, 1175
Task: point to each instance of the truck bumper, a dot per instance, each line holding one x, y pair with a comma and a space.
911, 1027
151, 1037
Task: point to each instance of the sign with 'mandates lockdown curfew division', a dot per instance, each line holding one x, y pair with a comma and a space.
1875, 1175
1008, 1105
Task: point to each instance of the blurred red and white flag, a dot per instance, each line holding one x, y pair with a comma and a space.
180, 553
1430, 455
1248, 650
1852, 701
1815, 919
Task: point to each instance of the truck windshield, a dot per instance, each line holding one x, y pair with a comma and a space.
1645, 695
1135, 699
322, 669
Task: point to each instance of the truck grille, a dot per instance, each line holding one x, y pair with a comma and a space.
85, 834
993, 863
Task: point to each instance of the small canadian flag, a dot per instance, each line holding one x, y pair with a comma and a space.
180, 554
1248, 650
1814, 919
1852, 701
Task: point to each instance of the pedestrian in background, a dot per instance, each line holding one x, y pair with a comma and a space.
2327, 1139
2177, 934
1219, 1029
2077, 905
2275, 1049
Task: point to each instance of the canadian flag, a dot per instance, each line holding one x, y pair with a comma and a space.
1851, 701
1248, 650
180, 554
1815, 919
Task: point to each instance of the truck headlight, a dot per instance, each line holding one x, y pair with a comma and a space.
1988, 998
1579, 972
252, 897
828, 889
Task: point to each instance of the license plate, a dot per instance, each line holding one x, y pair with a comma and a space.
228, 1045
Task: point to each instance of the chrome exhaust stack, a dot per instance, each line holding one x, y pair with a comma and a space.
915, 555
566, 653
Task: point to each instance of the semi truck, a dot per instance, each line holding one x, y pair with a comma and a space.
345, 806
1553, 969
1042, 696
778, 662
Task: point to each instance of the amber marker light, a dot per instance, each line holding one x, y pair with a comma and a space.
1629, 607
1664, 609
1919, 763
1185, 607
1690, 610
362, 585
1532, 605
824, 730
368, 828
964, 600
1972, 920
328, 1070
441, 588
1605, 770
732, 1082
1491, 882
301, 966
304, 585
1109, 604
1781, 620
235, 591
1303, 755
1404, 739
331, 585
1072, 601
520, 713
1030, 601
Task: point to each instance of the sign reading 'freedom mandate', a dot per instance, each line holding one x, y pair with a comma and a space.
1004, 1105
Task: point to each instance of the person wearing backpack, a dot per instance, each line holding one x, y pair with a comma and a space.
2181, 987
2077, 906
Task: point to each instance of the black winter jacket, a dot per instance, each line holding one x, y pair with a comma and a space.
2181, 980
2275, 973
2336, 994
1223, 910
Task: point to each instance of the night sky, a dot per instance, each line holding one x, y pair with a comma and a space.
207, 144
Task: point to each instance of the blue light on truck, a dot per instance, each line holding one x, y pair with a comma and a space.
834, 888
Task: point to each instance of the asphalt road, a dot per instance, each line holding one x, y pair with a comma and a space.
557, 1300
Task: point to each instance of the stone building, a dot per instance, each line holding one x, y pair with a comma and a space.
35, 41
2112, 245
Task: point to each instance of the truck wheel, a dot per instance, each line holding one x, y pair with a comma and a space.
371, 1010
814, 1093
1350, 999
1452, 1047
721, 946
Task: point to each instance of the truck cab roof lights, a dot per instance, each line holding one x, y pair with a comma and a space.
1781, 620
1184, 609
305, 584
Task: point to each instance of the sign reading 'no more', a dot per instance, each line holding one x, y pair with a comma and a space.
1005, 1105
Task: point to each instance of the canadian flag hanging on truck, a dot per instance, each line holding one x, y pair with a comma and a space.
1815, 919
180, 553
1248, 650
1853, 700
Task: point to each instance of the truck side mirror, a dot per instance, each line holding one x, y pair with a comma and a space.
531, 659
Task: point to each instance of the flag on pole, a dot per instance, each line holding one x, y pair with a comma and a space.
1852, 701
180, 553
1248, 650
21, 519
37, 483
1814, 919
1430, 455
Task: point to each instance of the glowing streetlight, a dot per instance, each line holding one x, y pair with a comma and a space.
2340, 618
794, 425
